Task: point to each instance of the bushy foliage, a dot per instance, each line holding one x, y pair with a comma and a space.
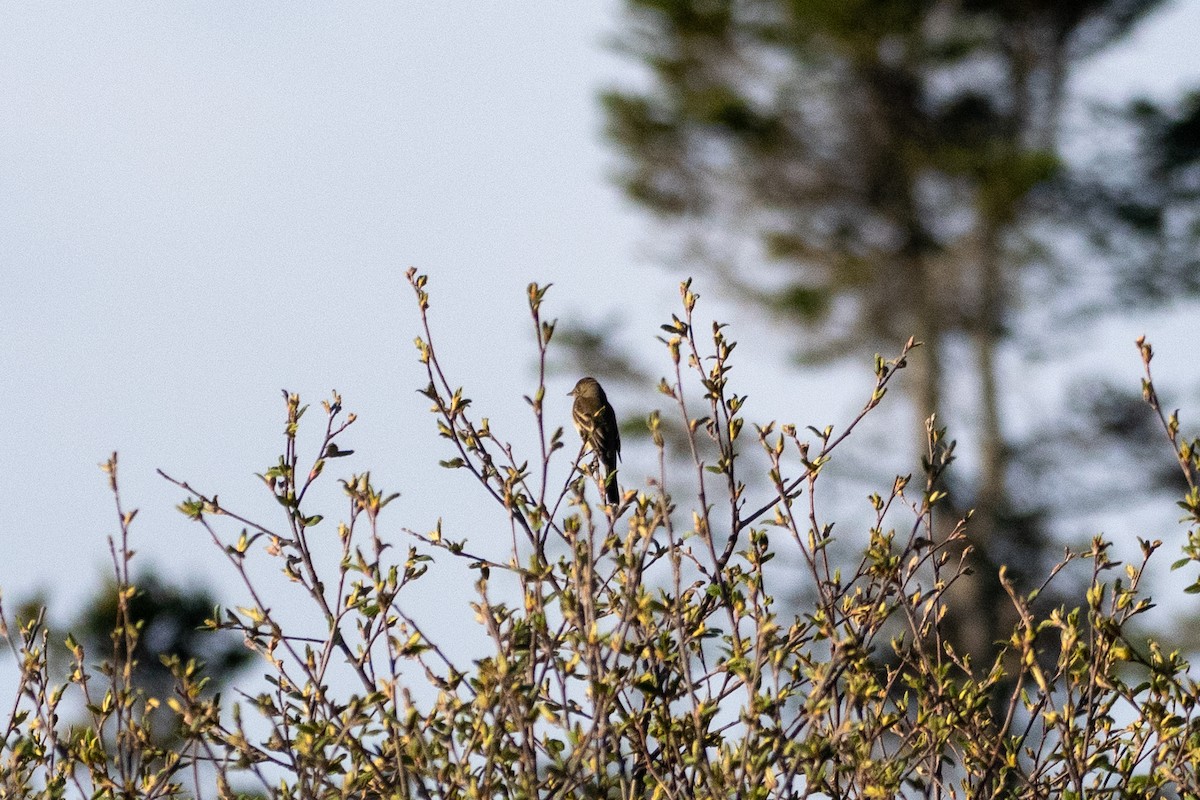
648, 649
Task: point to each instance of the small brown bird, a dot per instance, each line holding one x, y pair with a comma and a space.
597, 425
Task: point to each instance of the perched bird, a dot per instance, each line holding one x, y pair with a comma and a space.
597, 425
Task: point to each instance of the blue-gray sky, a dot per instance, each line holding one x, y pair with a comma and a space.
202, 203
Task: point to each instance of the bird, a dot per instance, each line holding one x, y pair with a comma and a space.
597, 425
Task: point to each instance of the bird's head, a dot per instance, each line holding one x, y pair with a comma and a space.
587, 387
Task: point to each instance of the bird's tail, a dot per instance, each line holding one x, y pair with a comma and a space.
610, 487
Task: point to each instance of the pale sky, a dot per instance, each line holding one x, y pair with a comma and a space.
202, 203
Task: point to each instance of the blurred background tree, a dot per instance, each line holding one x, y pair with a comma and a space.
869, 170
171, 626
171, 620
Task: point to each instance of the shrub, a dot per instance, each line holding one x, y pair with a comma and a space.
637, 650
